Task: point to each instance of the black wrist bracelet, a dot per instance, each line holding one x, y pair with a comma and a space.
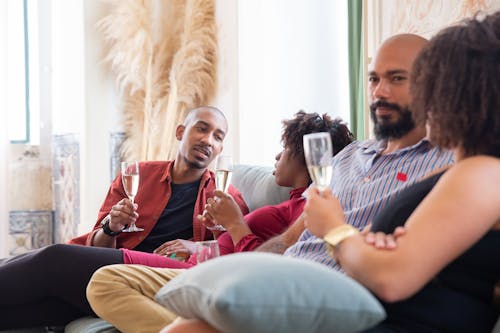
107, 230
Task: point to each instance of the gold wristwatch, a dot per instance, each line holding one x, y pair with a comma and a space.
337, 235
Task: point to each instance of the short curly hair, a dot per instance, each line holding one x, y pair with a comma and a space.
304, 123
455, 87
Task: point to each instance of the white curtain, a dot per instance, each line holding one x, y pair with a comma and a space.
4, 215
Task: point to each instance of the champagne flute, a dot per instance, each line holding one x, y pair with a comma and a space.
223, 174
318, 154
130, 182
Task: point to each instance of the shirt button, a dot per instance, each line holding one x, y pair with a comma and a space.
366, 179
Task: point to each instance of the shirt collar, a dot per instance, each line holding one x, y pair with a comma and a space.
167, 174
297, 192
377, 146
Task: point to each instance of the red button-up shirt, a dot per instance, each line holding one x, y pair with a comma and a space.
152, 198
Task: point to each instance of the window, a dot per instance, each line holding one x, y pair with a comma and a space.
22, 71
292, 56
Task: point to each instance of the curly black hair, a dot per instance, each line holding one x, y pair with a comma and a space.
304, 123
455, 87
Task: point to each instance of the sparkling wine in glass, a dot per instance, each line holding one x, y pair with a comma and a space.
318, 154
130, 181
223, 174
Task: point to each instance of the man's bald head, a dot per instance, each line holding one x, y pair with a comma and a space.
410, 40
401, 49
194, 113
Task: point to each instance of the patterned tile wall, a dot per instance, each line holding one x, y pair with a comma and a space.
29, 229
66, 185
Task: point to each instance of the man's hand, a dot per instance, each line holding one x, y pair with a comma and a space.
381, 240
122, 214
179, 247
322, 212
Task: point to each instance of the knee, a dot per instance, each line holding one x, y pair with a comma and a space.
53, 250
100, 285
52, 255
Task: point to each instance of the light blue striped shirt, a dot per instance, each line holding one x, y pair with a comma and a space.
364, 181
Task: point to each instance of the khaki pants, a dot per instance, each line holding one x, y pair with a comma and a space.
123, 295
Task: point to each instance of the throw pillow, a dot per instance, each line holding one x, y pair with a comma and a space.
261, 292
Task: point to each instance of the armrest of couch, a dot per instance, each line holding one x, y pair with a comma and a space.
257, 185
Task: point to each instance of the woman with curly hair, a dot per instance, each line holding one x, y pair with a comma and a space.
247, 233
442, 275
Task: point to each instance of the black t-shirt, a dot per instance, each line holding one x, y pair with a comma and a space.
176, 220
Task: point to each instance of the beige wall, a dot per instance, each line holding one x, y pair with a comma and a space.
423, 17
384, 18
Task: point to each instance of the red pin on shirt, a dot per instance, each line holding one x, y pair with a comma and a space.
401, 176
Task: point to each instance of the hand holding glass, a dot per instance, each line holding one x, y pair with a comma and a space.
318, 154
130, 181
223, 174
206, 250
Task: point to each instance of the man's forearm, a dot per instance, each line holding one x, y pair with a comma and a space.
102, 240
273, 245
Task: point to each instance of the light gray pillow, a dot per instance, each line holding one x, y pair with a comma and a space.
261, 292
258, 186
90, 325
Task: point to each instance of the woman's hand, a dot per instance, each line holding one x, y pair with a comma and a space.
381, 240
223, 210
322, 212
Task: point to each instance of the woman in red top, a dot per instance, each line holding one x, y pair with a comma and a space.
245, 233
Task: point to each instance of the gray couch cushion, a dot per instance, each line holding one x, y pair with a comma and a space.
497, 326
258, 187
90, 325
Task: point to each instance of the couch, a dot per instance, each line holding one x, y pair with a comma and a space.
258, 188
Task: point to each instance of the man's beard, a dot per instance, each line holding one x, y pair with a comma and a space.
394, 130
197, 165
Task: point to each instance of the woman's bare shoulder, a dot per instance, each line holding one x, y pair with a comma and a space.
478, 175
